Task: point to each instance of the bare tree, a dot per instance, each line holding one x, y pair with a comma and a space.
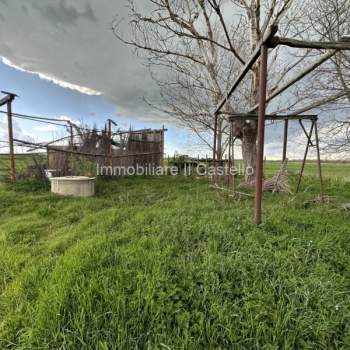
196, 48
330, 20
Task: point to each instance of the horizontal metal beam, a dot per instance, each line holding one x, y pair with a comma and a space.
300, 76
320, 45
269, 35
272, 41
236, 116
321, 103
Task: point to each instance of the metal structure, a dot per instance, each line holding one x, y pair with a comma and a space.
8, 101
308, 134
271, 41
84, 147
108, 149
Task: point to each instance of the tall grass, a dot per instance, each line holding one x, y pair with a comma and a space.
168, 263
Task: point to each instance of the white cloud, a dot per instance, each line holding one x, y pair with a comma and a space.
51, 78
75, 48
46, 128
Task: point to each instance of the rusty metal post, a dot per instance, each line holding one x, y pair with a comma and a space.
305, 155
229, 157
233, 163
319, 162
261, 134
12, 168
214, 146
285, 140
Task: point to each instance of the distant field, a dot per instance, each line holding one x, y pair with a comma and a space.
22, 163
169, 263
339, 171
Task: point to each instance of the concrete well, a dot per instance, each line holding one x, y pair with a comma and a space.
76, 186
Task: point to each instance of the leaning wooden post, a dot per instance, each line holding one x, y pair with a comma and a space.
261, 133
71, 137
71, 158
162, 147
110, 154
285, 140
12, 168
319, 162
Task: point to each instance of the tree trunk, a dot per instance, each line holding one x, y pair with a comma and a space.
219, 142
249, 131
249, 152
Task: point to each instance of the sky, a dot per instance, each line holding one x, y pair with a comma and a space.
63, 60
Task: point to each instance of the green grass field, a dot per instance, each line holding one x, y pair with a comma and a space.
169, 263
332, 170
340, 171
23, 161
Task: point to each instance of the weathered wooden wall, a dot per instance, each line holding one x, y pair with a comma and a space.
132, 148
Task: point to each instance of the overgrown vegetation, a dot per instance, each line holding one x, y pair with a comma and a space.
168, 263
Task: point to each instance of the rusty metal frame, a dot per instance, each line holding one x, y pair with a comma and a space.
272, 41
285, 140
261, 134
8, 101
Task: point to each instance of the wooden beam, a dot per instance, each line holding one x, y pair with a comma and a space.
56, 149
110, 147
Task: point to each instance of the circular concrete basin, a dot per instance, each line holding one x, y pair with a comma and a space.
76, 186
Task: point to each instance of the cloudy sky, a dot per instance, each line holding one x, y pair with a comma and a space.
63, 60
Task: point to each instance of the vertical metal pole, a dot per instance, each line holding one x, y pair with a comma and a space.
233, 163
214, 148
285, 140
229, 157
319, 162
305, 155
261, 134
12, 169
